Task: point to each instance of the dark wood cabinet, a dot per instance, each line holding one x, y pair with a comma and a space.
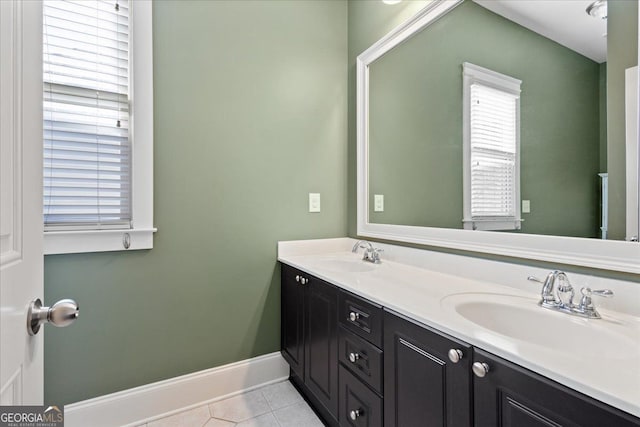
309, 337
321, 343
361, 361
363, 365
512, 396
292, 320
422, 387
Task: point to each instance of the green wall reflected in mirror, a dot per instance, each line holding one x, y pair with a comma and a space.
415, 122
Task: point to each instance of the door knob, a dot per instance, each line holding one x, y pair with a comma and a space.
61, 314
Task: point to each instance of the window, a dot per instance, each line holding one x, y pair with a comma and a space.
491, 133
97, 169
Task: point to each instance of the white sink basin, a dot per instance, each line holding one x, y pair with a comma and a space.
524, 320
355, 265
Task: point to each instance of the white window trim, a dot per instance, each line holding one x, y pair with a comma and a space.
140, 235
476, 74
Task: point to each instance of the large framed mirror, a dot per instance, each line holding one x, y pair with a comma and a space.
504, 127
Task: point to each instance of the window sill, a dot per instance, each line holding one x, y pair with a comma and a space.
73, 242
493, 224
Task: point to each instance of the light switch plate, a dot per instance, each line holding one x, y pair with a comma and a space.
314, 202
378, 202
526, 206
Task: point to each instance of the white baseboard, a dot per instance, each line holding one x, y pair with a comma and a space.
151, 401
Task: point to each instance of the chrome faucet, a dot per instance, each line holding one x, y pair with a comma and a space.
557, 294
547, 294
370, 254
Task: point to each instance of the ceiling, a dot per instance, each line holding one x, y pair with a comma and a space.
564, 21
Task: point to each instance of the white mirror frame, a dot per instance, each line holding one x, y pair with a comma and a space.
595, 253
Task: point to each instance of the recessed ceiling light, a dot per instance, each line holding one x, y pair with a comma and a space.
391, 1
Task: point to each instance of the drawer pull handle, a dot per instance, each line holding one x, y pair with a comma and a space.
455, 355
353, 316
354, 415
353, 357
480, 369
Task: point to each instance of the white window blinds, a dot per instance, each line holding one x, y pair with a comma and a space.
87, 151
493, 152
491, 158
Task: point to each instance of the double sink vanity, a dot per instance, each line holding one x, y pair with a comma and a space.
415, 337
428, 338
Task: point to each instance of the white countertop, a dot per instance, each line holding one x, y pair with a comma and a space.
402, 284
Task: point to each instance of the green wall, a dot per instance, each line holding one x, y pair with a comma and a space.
416, 141
622, 53
368, 21
602, 101
250, 116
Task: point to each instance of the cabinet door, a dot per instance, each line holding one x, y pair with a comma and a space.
321, 343
422, 387
292, 320
512, 396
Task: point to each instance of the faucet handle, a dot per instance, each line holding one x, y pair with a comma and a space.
374, 255
535, 279
586, 305
587, 292
607, 293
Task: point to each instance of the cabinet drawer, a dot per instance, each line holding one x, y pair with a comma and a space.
359, 405
361, 317
364, 360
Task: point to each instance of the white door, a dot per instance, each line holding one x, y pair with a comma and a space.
21, 260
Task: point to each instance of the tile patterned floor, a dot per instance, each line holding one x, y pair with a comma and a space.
276, 405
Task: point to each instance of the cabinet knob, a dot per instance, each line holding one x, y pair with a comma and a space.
455, 355
353, 357
297, 278
480, 369
353, 316
304, 281
354, 415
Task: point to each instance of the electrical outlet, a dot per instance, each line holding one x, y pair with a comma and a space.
378, 202
526, 206
314, 202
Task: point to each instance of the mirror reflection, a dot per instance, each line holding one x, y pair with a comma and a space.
509, 116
